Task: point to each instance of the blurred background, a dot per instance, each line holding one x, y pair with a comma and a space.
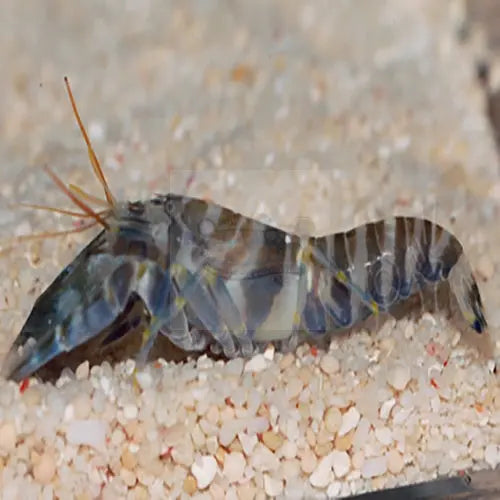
332, 113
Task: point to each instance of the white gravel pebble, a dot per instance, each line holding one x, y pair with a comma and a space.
329, 364
269, 352
383, 435
373, 467
144, 379
130, 412
492, 454
204, 469
322, 474
350, 420
385, 409
272, 486
341, 463
8, 437
395, 461
398, 377
247, 442
87, 432
256, 364
263, 459
83, 370
234, 466
334, 489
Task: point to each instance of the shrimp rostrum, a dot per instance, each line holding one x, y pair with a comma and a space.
211, 278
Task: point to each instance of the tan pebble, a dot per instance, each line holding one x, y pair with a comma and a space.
117, 437
8, 436
286, 361
82, 406
291, 468
293, 388
45, 469
333, 419
272, 440
220, 455
305, 374
304, 411
378, 482
246, 491
129, 459
134, 431
217, 491
310, 437
212, 414
477, 454
395, 462
344, 443
85, 496
358, 458
227, 413
197, 436
189, 485
387, 345
141, 493
183, 453
35, 457
128, 477
234, 467
308, 461
83, 370
236, 445
212, 444
329, 364
323, 449
32, 396
323, 436
263, 411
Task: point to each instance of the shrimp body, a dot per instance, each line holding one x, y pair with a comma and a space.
209, 277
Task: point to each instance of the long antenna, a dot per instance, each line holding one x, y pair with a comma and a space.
79, 203
92, 156
78, 191
62, 211
42, 236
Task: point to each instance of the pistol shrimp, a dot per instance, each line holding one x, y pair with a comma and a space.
211, 278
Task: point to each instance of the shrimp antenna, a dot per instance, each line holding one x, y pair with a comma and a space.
43, 236
79, 203
92, 156
62, 211
78, 191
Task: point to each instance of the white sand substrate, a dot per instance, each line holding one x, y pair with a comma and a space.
318, 114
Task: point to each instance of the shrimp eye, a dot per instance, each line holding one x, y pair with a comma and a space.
136, 208
170, 206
